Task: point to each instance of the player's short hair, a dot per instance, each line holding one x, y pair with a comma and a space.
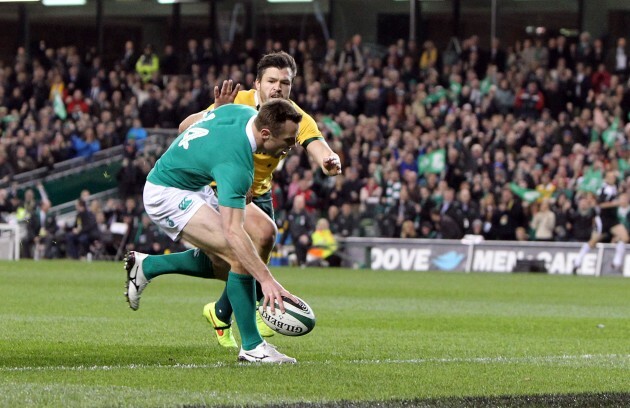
279, 59
274, 113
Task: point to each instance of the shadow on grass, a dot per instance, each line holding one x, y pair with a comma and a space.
508, 401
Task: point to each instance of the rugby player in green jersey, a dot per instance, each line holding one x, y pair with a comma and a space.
219, 148
275, 73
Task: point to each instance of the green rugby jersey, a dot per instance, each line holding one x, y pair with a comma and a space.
216, 148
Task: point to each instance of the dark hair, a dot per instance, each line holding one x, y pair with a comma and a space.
273, 114
279, 59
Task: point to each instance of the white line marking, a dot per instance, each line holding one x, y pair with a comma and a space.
474, 360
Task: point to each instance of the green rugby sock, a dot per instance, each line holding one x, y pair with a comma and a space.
190, 263
259, 292
223, 307
242, 294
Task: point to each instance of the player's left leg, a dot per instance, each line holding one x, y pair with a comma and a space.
190, 263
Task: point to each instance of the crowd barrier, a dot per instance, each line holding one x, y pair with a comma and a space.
471, 255
10, 241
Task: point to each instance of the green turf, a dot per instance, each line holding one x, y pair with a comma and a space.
67, 338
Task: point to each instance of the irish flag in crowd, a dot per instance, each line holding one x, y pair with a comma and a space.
524, 193
591, 181
434, 162
59, 107
610, 135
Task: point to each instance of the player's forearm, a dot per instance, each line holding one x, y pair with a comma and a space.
323, 155
319, 150
242, 245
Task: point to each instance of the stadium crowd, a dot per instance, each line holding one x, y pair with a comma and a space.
502, 142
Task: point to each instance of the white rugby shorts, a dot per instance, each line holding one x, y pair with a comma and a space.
171, 208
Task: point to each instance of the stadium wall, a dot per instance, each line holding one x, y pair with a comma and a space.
469, 255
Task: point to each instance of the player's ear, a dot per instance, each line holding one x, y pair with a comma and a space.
265, 133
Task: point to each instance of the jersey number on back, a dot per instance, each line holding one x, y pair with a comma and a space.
192, 134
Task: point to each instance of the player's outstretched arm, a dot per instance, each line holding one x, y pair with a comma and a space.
242, 245
323, 155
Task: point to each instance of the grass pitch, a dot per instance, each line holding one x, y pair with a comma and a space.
68, 338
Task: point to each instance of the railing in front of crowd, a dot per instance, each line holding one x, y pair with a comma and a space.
108, 159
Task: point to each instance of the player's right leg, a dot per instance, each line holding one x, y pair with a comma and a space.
204, 230
262, 231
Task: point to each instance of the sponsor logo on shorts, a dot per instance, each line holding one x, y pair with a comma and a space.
170, 222
185, 203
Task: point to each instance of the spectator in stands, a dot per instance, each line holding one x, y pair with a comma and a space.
351, 187
149, 113
507, 217
83, 233
60, 147
76, 104
351, 57
147, 237
22, 162
618, 59
406, 209
345, 224
169, 62
445, 226
138, 134
370, 197
600, 80
529, 101
130, 178
129, 58
429, 58
323, 250
42, 229
543, 222
6, 169
148, 64
6, 206
451, 207
408, 230
468, 209
88, 145
298, 226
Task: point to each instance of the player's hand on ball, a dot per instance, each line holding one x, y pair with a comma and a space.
273, 292
332, 165
227, 94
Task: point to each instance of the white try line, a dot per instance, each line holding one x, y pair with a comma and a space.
623, 358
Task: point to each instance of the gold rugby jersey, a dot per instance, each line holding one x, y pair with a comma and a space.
264, 165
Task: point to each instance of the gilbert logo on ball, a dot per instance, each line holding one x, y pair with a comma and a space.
297, 320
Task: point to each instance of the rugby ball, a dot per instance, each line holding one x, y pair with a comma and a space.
297, 320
